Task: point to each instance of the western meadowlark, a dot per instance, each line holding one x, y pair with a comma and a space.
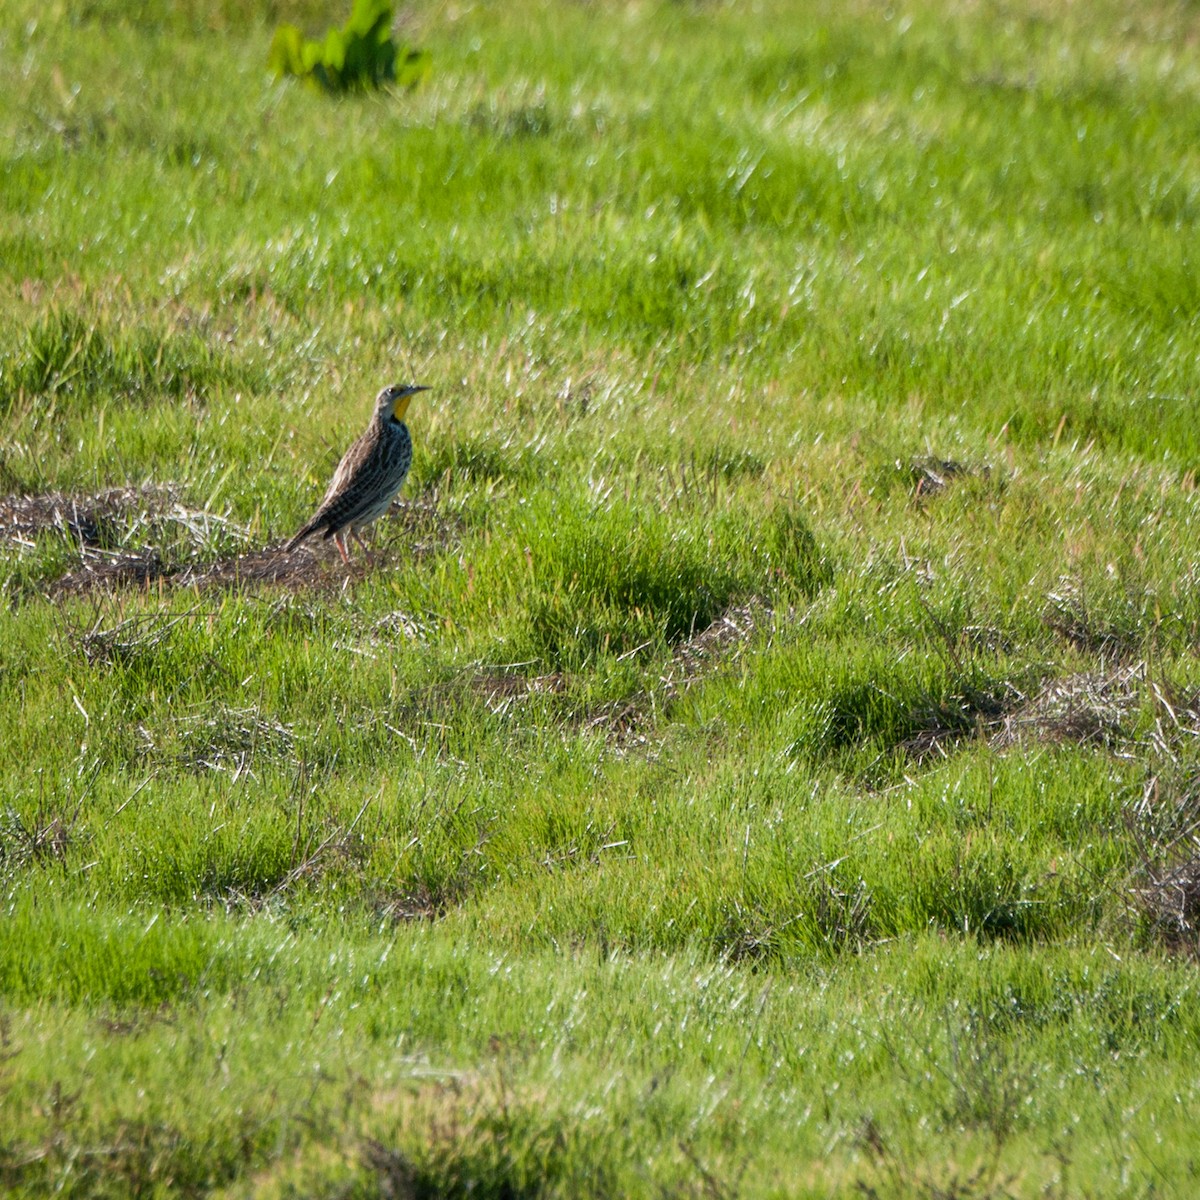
369, 475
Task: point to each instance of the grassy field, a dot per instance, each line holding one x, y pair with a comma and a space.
761, 756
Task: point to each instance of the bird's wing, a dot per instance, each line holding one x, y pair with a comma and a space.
350, 465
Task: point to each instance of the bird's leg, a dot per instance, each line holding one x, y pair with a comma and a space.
362, 545
339, 540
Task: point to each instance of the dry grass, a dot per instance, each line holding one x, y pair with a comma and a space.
932, 475
1169, 894
1076, 616
1089, 708
228, 739
626, 722
300, 569
717, 644
500, 690
107, 522
103, 644
97, 519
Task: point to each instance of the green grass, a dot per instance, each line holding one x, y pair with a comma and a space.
760, 759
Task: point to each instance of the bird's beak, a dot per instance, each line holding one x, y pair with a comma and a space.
401, 405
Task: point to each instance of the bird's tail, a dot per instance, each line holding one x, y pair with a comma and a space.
310, 528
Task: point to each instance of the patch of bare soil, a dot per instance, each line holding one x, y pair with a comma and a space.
298, 569
500, 691
305, 567
107, 523
99, 519
105, 570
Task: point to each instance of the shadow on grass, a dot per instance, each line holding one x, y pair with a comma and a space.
470, 1140
610, 577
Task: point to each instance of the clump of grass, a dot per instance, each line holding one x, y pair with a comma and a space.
864, 704
99, 1156
68, 355
608, 576
477, 1144
42, 838
616, 576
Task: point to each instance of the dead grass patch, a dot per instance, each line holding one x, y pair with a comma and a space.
412, 627
1108, 631
625, 722
102, 571
46, 834
1088, 708
501, 690
1092, 708
225, 739
417, 903
111, 528
1165, 825
943, 724
190, 546
931, 475
716, 644
42, 838
1169, 895
101, 519
124, 641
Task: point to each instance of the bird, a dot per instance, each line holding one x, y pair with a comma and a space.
369, 475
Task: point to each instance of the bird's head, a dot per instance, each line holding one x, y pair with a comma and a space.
392, 403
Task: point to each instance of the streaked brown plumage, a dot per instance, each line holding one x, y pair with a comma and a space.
369, 475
